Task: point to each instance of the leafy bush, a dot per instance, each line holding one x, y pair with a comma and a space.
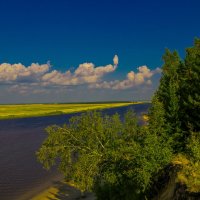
116, 159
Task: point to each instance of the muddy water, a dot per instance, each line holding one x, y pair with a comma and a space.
20, 173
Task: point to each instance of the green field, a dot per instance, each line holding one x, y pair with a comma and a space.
35, 110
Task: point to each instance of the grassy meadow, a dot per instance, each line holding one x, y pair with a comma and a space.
35, 110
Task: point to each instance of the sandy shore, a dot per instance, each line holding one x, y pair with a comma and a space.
62, 191
47, 183
55, 189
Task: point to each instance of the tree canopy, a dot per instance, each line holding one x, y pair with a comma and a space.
116, 159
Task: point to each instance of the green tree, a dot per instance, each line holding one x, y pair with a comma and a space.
179, 92
169, 94
115, 159
190, 89
169, 77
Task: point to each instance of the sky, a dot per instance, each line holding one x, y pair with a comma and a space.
89, 50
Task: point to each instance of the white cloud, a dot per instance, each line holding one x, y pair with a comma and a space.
84, 74
132, 79
36, 78
41, 75
17, 72
116, 60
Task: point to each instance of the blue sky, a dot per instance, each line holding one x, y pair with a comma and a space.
69, 33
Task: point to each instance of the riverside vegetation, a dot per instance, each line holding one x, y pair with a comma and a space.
118, 159
36, 110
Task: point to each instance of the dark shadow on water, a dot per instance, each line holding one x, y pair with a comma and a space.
67, 192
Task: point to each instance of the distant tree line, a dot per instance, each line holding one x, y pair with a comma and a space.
120, 160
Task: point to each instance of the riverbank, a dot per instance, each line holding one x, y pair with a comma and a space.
37, 110
62, 191
56, 189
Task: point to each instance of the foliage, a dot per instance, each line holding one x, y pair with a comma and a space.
168, 95
189, 173
116, 159
193, 146
179, 93
189, 90
180, 96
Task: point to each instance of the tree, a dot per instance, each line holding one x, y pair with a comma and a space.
169, 73
190, 89
180, 95
168, 95
115, 159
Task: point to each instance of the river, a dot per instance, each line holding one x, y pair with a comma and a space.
20, 173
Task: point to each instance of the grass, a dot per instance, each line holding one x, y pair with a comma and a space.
36, 110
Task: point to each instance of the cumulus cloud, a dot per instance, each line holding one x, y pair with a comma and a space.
132, 79
18, 72
42, 75
115, 60
36, 78
84, 74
